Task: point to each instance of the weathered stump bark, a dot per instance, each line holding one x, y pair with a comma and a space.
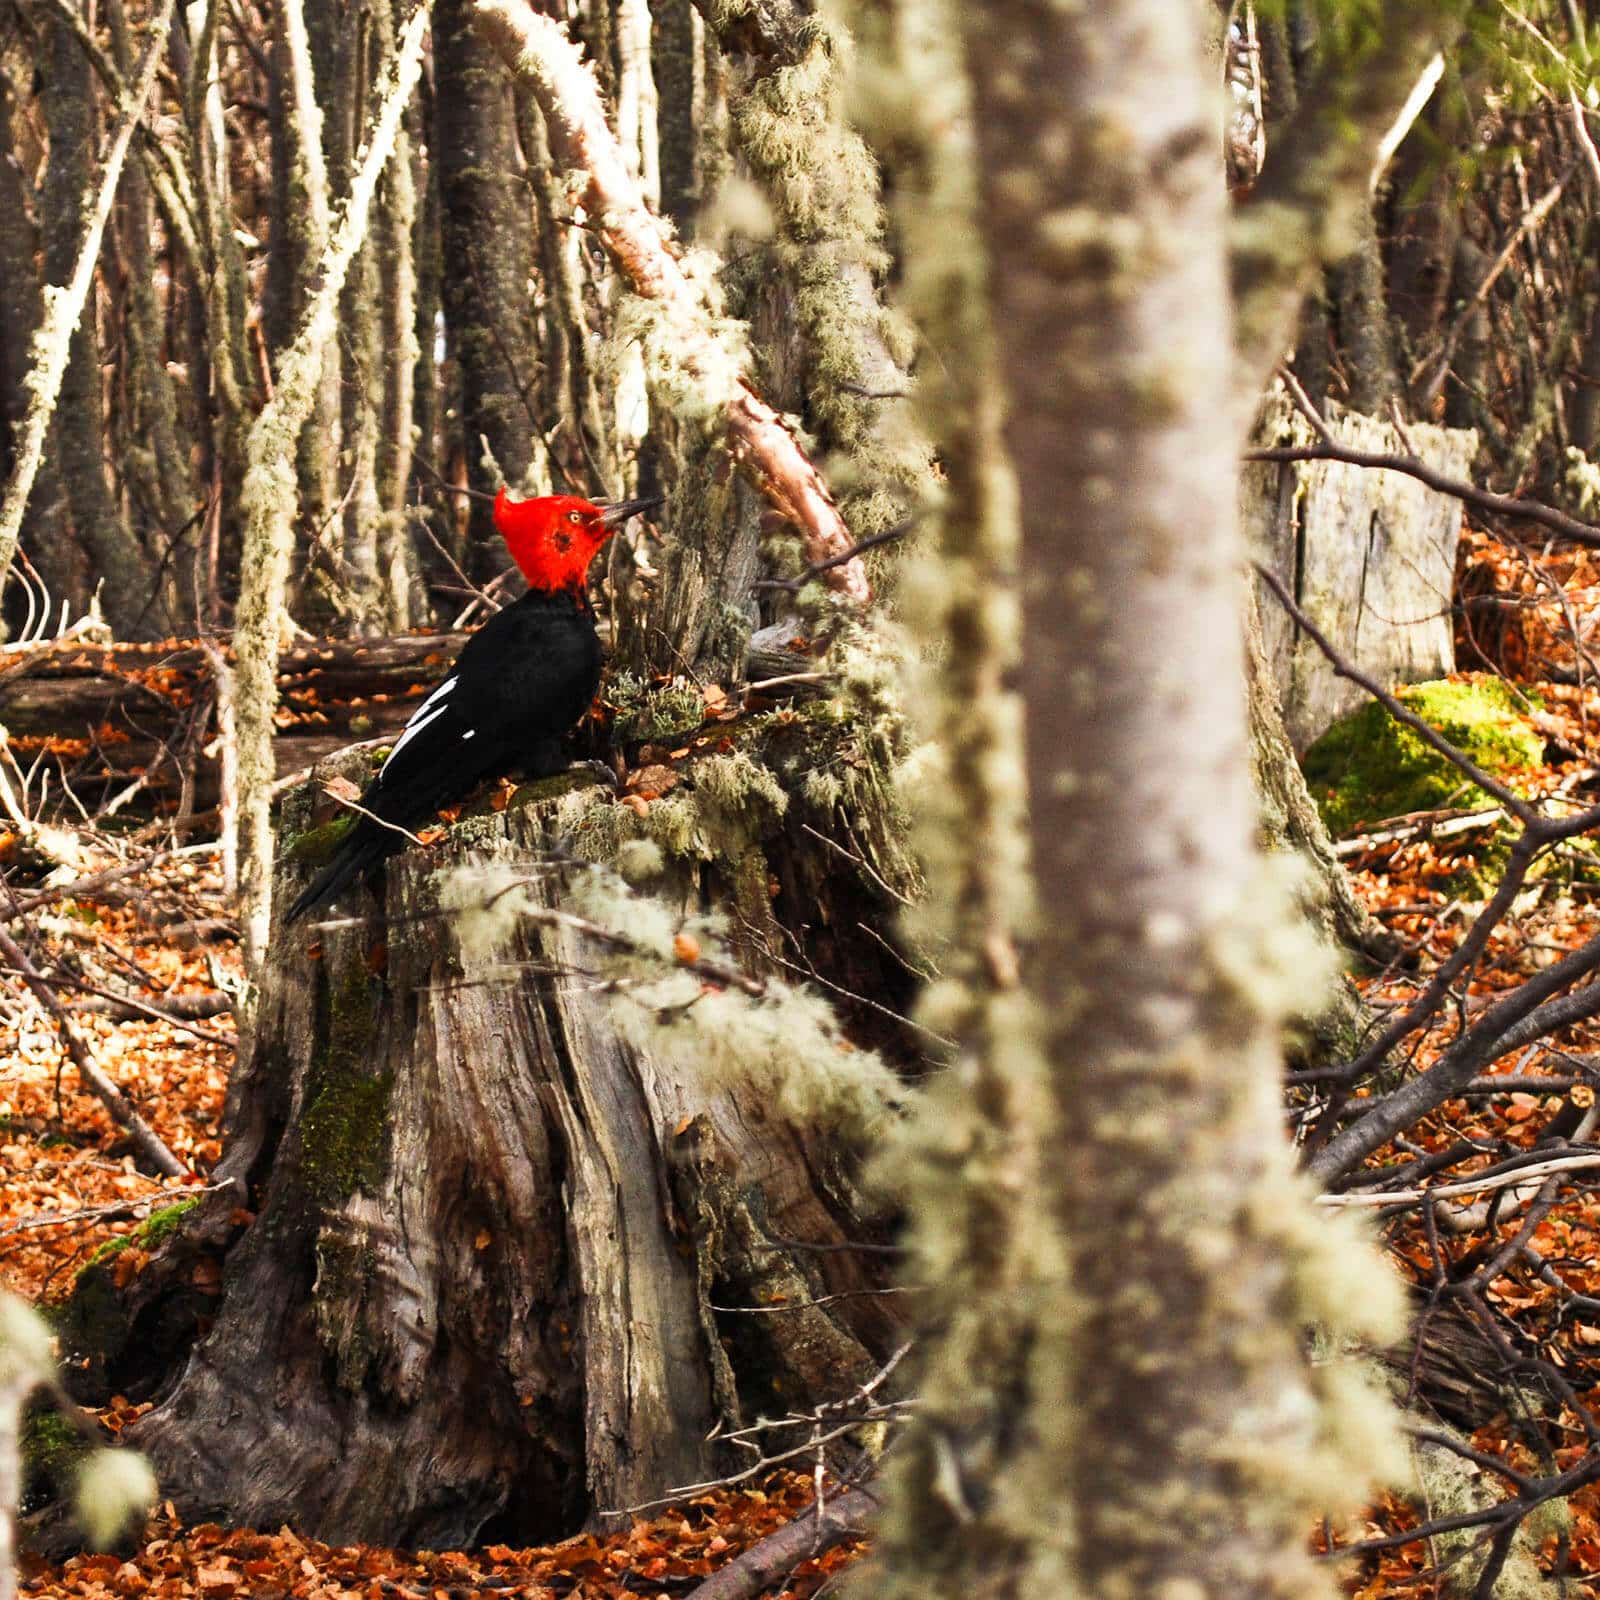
1370, 557
476, 1292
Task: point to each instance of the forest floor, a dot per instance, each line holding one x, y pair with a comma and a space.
69, 1186
69, 1183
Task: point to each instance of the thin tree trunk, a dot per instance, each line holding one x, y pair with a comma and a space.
128, 591
1356, 289
305, 222
676, 54
268, 504
51, 544
487, 241
154, 421
399, 351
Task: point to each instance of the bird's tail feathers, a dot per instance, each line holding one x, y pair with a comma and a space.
365, 849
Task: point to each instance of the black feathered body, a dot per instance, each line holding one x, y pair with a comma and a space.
522, 681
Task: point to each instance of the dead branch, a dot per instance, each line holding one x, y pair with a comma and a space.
109, 1095
1503, 505
545, 61
766, 1563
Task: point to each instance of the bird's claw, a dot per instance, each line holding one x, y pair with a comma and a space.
600, 770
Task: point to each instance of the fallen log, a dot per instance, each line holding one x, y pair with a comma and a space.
110, 715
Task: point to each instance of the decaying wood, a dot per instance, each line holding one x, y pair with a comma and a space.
764, 1565
476, 1296
1370, 556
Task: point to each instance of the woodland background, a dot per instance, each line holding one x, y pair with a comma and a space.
862, 1127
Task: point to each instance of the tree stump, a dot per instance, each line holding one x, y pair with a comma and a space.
1369, 556
477, 1255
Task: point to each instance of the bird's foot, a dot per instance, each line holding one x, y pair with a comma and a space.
600, 770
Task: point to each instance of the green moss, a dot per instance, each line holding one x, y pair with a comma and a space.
643, 713
556, 787
51, 1450
107, 1251
154, 1230
1368, 767
343, 1136
161, 1225
315, 847
344, 1128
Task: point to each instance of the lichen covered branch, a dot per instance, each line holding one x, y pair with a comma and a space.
269, 498
547, 63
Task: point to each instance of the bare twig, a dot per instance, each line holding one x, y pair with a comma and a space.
1584, 1161
110, 1096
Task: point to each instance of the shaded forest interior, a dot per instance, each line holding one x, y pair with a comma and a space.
475, 342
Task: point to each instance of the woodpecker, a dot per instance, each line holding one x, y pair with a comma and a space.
522, 681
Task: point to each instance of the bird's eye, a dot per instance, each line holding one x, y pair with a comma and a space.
574, 516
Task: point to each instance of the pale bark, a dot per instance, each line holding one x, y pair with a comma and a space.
269, 501
399, 349
305, 205
1371, 557
1160, 1266
1109, 289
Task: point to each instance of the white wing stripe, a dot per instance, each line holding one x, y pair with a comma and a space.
420, 720
437, 693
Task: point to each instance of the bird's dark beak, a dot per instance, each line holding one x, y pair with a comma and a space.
613, 516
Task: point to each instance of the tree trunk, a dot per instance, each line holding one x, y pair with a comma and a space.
1370, 556
1157, 1277
1356, 289
487, 243
50, 543
128, 594
479, 1294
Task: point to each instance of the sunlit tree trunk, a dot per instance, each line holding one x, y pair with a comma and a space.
1160, 1254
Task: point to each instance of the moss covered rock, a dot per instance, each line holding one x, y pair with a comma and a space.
1368, 767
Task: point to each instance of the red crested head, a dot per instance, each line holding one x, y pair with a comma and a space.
554, 537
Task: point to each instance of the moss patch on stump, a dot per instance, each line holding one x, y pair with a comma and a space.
1368, 767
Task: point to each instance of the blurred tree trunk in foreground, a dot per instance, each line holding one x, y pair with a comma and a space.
1096, 1418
